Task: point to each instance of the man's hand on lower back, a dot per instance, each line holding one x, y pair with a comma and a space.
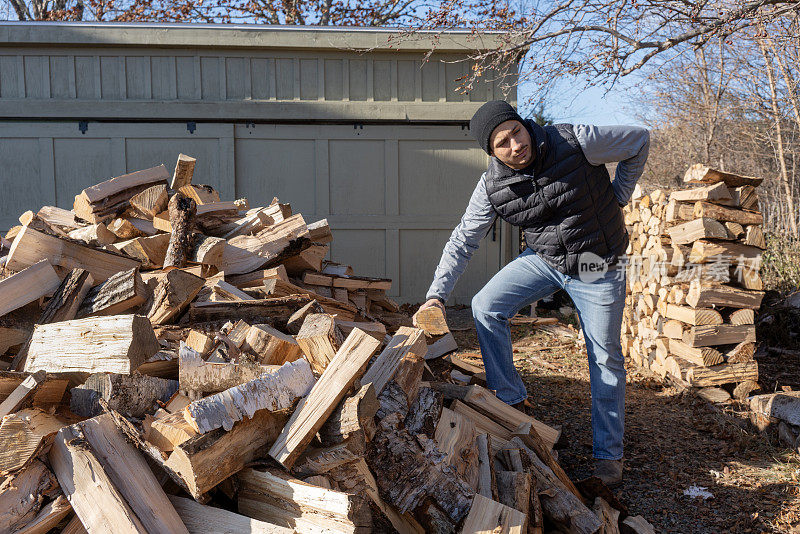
428, 304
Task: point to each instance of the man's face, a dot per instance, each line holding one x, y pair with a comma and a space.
511, 143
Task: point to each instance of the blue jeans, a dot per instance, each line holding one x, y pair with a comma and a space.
599, 304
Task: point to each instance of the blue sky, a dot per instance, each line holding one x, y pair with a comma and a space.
578, 105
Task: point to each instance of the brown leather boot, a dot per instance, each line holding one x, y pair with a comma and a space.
609, 471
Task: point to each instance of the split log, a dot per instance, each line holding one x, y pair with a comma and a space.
744, 388
432, 321
412, 472
184, 170
721, 334
693, 316
201, 519
252, 223
48, 517
121, 292
278, 390
407, 343
22, 496
636, 524
206, 249
108, 483
101, 201
444, 345
673, 329
735, 230
608, 516
225, 291
48, 394
320, 232
455, 437
172, 295
182, 211
742, 352
702, 228
270, 245
295, 322
354, 416
713, 193
275, 311
65, 219
200, 193
486, 515
704, 251
702, 295
482, 422
257, 278
487, 486
346, 282
278, 288
74, 526
715, 395
30, 247
747, 276
96, 235
201, 343
68, 297
31, 283
169, 431
319, 338
375, 329
487, 403
309, 259
723, 213
22, 393
194, 374
347, 366
151, 201
276, 212
277, 498
131, 395
150, 251
207, 459
114, 344
271, 346
703, 356
746, 197
131, 227
24, 436
754, 236
702, 174
514, 491
725, 373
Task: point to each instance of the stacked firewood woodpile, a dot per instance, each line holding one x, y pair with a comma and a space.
177, 363
693, 282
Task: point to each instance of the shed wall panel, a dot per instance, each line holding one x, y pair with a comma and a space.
22, 167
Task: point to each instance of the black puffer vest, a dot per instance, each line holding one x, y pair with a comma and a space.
565, 206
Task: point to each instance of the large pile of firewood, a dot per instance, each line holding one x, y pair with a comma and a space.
177, 363
693, 282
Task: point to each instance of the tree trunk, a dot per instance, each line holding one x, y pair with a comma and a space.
787, 190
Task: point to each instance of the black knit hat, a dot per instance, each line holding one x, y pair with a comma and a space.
488, 117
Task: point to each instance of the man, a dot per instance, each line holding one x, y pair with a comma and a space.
552, 182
